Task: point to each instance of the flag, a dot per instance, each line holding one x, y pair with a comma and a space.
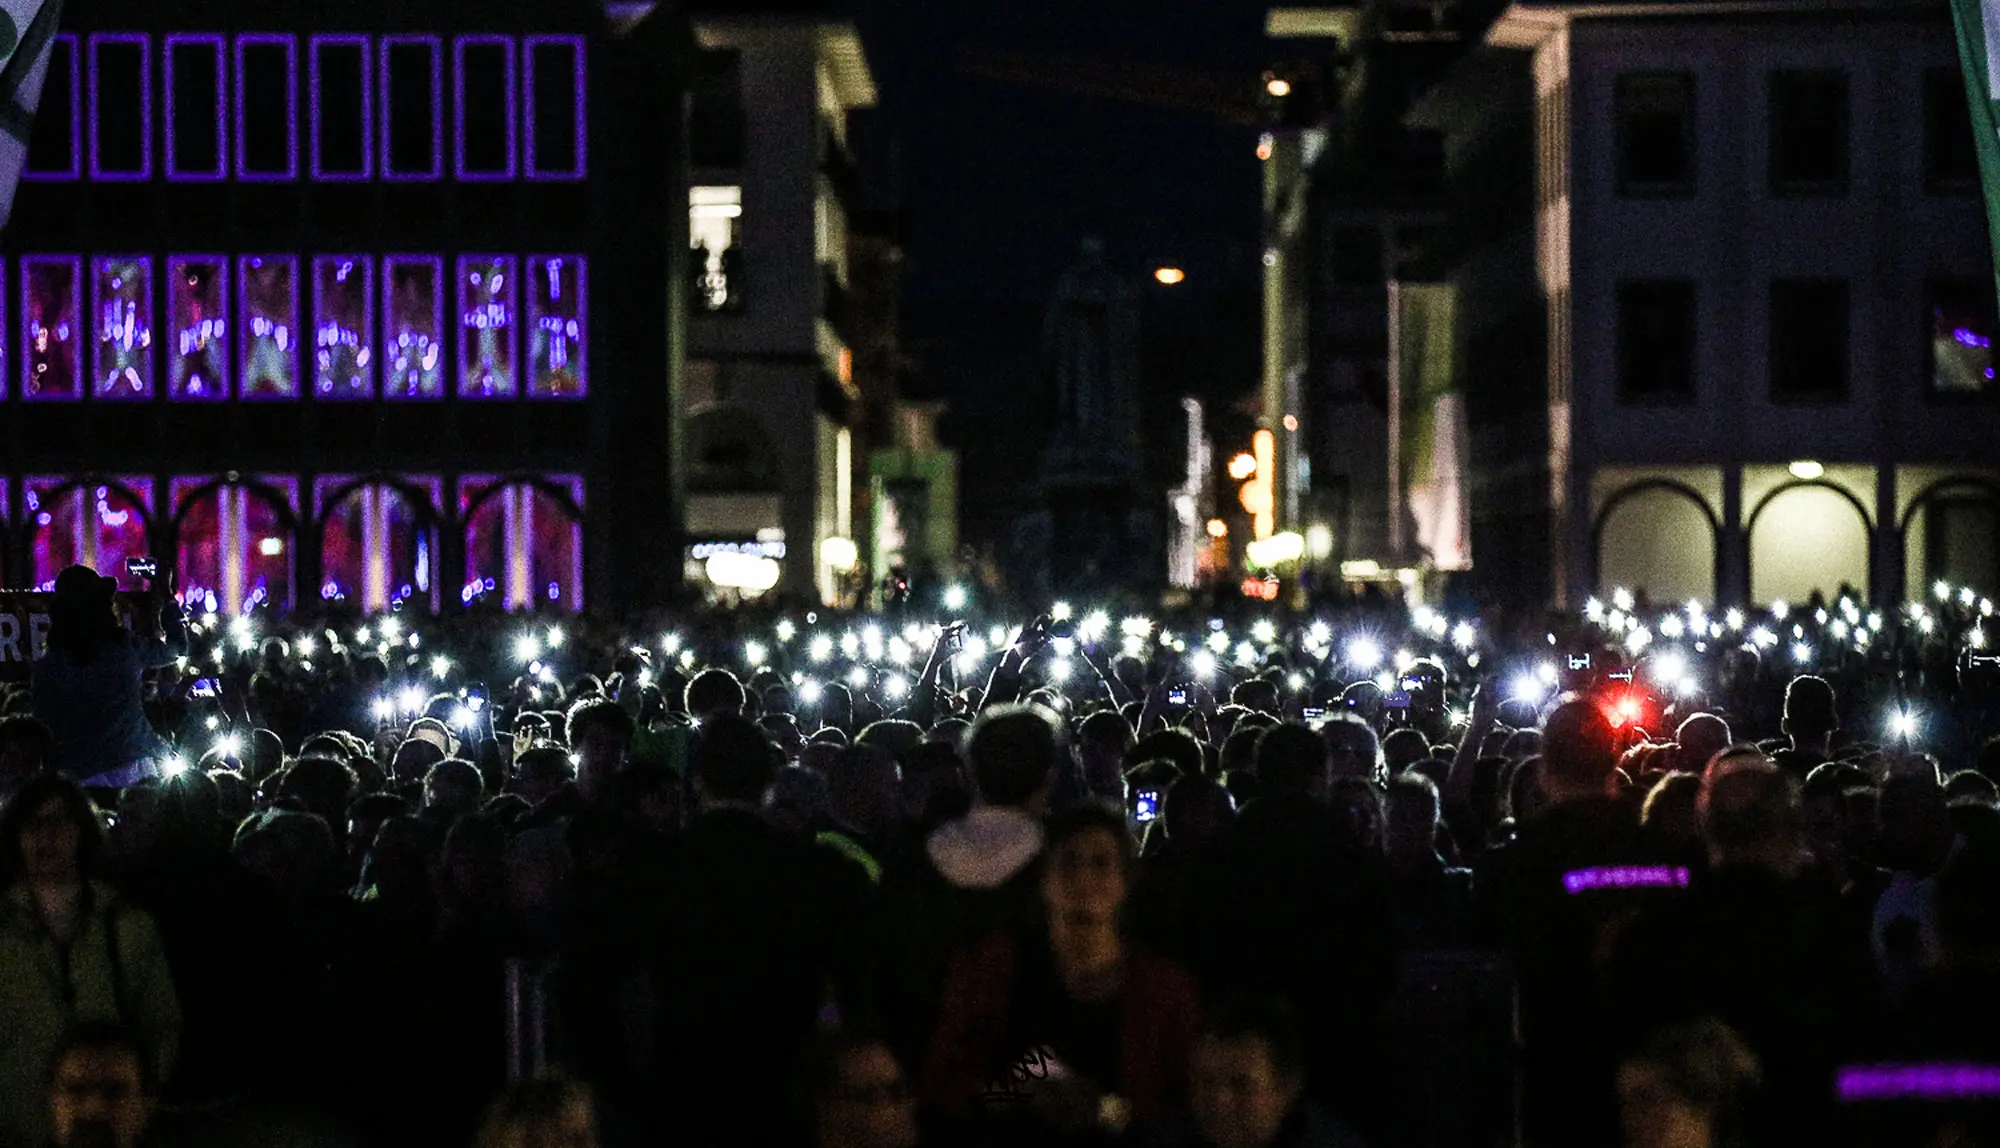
1978, 24
1432, 427
27, 33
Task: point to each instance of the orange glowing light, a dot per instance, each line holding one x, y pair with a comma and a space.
1243, 466
1217, 528
1291, 422
1170, 275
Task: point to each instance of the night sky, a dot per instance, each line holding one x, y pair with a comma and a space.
999, 184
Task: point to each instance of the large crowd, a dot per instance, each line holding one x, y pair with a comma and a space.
1215, 874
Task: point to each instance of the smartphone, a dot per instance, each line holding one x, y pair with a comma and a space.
1412, 685
1624, 675
204, 688
1147, 805
1398, 700
1177, 697
476, 696
1579, 661
1314, 713
143, 567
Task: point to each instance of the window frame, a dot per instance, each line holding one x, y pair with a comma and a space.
366, 44
80, 350
386, 108
144, 173
245, 333
1810, 398
310, 379
579, 168
290, 43
1934, 285
440, 294
1692, 393
1628, 188
510, 107
176, 173
1781, 187
66, 42
97, 298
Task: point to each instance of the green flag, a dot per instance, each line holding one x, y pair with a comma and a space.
1978, 24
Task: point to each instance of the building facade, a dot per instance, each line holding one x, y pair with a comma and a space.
772, 399
1724, 301
368, 305
1771, 306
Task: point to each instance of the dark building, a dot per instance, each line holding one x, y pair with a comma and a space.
373, 301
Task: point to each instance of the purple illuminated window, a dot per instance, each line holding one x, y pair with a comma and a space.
1959, 1081
197, 109
233, 544
267, 108
483, 122
523, 542
121, 106
344, 327
342, 109
121, 305
412, 128
377, 545
95, 524
558, 365
556, 136
1626, 877
198, 327
52, 336
55, 147
267, 326
413, 292
486, 335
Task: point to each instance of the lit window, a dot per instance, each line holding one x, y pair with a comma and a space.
268, 326
96, 523
51, 303
197, 112
341, 112
523, 543
484, 120
486, 334
714, 214
413, 341
555, 135
122, 307
55, 148
1961, 339
377, 546
557, 359
343, 327
121, 107
234, 545
267, 108
198, 327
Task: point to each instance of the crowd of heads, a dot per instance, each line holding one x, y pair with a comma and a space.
476, 785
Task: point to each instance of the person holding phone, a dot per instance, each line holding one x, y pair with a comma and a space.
88, 687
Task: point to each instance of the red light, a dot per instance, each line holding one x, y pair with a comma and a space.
1625, 711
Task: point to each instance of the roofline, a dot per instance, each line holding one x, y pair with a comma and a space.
1528, 25
838, 42
1306, 23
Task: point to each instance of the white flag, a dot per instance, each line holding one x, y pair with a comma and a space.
27, 33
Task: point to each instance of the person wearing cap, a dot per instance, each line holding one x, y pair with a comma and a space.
88, 685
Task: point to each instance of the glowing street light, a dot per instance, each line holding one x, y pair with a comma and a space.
1170, 276
1277, 87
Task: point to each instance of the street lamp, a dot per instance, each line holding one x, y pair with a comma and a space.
1170, 275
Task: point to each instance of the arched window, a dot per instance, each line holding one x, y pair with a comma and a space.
233, 545
1806, 537
523, 542
1951, 534
1657, 540
92, 523
378, 544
